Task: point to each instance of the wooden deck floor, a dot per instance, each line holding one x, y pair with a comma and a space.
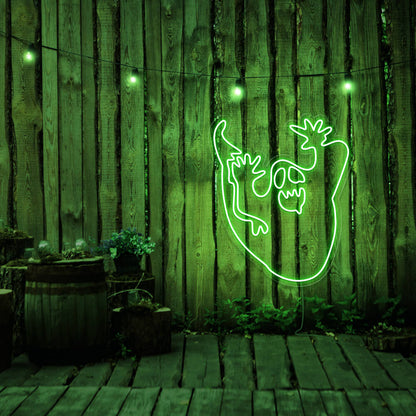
266, 375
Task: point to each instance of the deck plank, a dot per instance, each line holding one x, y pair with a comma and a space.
201, 363
236, 402
205, 402
263, 403
122, 373
367, 402
51, 375
308, 369
288, 403
19, 372
41, 401
238, 363
161, 370
107, 401
400, 402
337, 368
312, 402
140, 402
95, 374
74, 401
364, 363
272, 362
12, 397
173, 402
336, 403
399, 369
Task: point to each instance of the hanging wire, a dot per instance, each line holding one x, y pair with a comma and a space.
169, 71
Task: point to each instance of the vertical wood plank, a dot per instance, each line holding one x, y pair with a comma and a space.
173, 159
153, 47
27, 122
89, 131
200, 247
70, 120
367, 122
132, 117
231, 259
312, 221
285, 34
50, 110
5, 160
401, 127
258, 141
108, 107
341, 278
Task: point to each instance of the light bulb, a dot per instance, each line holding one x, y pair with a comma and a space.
30, 54
237, 91
134, 76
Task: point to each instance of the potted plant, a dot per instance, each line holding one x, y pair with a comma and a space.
65, 305
126, 248
144, 326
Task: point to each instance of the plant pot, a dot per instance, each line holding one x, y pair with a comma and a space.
118, 287
127, 264
146, 332
12, 245
66, 311
405, 344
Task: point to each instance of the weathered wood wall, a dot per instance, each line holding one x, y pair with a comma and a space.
84, 153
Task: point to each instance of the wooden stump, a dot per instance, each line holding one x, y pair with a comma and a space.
146, 332
14, 278
6, 328
14, 248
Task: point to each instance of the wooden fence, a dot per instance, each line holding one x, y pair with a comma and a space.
84, 153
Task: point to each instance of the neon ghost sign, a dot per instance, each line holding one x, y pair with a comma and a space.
285, 177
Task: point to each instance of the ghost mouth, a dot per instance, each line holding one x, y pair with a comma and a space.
292, 201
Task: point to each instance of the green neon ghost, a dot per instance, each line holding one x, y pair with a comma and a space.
239, 170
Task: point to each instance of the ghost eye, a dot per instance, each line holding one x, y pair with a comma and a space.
295, 175
279, 178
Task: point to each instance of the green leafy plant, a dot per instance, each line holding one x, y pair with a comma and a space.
350, 315
122, 350
322, 314
127, 241
394, 312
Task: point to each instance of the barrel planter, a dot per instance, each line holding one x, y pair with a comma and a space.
66, 311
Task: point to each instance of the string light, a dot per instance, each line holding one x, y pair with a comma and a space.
238, 91
30, 55
348, 84
134, 76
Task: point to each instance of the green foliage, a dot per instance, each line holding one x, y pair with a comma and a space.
394, 312
322, 314
126, 241
350, 315
238, 316
122, 350
182, 322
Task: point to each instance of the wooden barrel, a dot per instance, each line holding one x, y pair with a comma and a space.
66, 311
